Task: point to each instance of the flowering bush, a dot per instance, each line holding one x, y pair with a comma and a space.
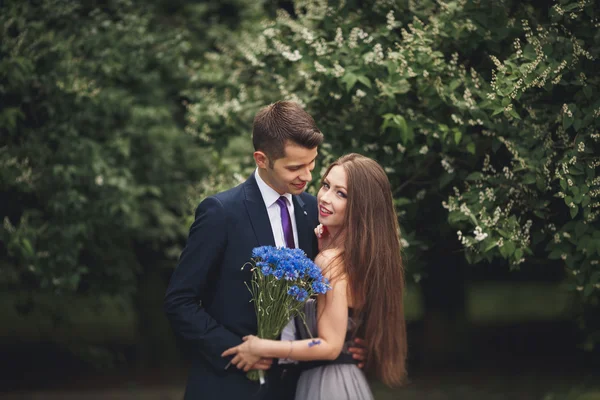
483, 113
282, 281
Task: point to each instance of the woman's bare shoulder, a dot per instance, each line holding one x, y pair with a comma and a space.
326, 257
331, 263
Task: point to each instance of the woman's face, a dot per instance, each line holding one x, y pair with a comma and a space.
332, 198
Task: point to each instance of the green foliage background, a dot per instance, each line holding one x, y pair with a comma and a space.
117, 117
484, 114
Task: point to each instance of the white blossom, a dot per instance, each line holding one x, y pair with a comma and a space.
479, 234
391, 21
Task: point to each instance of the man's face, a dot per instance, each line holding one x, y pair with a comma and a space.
289, 174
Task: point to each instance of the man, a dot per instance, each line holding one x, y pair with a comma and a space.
207, 301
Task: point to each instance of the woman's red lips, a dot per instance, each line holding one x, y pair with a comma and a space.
324, 212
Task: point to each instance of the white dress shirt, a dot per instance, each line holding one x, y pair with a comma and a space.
270, 197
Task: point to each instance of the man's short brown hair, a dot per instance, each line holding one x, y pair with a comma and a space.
280, 122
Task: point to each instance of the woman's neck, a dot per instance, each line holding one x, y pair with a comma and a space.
337, 238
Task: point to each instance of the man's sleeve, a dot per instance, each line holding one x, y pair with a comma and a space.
202, 255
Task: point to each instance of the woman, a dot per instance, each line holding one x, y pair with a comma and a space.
361, 257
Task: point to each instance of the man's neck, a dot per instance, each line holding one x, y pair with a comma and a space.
266, 181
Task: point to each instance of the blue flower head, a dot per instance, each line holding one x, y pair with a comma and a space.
293, 266
260, 252
319, 287
293, 290
302, 295
264, 268
278, 274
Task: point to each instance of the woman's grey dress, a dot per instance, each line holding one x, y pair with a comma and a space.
333, 381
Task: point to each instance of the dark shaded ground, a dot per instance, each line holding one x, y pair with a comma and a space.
526, 361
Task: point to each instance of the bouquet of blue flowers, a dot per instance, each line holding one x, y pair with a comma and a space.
283, 280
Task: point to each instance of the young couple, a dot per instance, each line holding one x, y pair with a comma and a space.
356, 244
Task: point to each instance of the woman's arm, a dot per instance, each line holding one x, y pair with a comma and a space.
332, 311
332, 321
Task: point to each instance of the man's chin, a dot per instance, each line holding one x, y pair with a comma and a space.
296, 190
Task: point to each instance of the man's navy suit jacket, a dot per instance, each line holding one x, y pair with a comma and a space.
208, 303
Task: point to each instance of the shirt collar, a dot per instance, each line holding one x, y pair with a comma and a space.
269, 195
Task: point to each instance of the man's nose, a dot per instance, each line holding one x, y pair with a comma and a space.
306, 175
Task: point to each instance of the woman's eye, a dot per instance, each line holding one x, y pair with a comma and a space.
342, 194
325, 185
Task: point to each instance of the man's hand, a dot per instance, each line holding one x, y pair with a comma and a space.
359, 352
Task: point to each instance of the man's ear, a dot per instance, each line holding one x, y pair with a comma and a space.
261, 159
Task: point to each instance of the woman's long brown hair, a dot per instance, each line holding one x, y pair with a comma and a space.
373, 263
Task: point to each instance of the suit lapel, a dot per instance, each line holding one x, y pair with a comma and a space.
302, 226
257, 213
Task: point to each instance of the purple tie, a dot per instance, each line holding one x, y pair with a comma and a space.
286, 223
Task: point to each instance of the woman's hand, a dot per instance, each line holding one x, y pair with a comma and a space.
245, 356
323, 236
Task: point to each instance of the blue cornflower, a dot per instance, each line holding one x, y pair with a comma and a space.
319, 287
314, 272
265, 268
302, 295
293, 290
260, 252
278, 274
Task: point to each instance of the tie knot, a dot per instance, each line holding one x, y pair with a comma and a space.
282, 201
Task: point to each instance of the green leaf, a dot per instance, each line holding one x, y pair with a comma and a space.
575, 190
350, 80
573, 211
402, 201
406, 134
502, 232
27, 247
580, 229
514, 113
457, 136
529, 179
474, 176
567, 121
446, 179
490, 246
539, 214
364, 80
555, 254
518, 254
471, 148
496, 144
585, 201
509, 248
